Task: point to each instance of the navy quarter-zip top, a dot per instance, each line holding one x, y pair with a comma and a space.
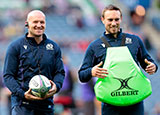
96, 53
25, 59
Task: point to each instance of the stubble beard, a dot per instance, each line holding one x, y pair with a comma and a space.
36, 35
110, 31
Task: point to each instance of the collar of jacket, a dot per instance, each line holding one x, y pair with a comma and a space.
110, 37
32, 41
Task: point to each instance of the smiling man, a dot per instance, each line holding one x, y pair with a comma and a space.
114, 59
33, 54
36, 25
111, 20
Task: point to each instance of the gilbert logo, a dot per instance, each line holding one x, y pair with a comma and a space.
49, 46
124, 85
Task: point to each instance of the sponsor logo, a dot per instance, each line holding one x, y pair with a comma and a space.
25, 47
103, 45
124, 85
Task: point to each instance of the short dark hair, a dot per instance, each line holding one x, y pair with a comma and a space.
110, 7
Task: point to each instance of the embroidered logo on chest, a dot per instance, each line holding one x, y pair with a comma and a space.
103, 45
128, 41
49, 46
25, 47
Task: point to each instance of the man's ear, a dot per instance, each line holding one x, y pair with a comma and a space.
26, 24
102, 19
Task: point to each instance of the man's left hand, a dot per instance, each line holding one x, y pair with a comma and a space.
52, 91
151, 67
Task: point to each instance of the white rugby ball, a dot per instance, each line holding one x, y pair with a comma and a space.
40, 85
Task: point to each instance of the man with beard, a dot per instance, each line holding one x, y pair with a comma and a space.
101, 61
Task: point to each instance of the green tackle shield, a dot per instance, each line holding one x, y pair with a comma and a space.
125, 84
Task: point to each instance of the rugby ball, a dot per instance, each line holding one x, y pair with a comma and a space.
40, 85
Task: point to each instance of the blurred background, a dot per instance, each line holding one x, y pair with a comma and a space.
73, 24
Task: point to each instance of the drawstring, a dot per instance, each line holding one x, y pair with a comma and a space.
34, 56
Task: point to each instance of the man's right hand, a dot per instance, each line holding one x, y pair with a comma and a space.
29, 96
99, 72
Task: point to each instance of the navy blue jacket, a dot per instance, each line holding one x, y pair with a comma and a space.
21, 64
96, 52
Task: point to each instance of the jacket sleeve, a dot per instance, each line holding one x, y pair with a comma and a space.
143, 54
85, 70
10, 71
59, 70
